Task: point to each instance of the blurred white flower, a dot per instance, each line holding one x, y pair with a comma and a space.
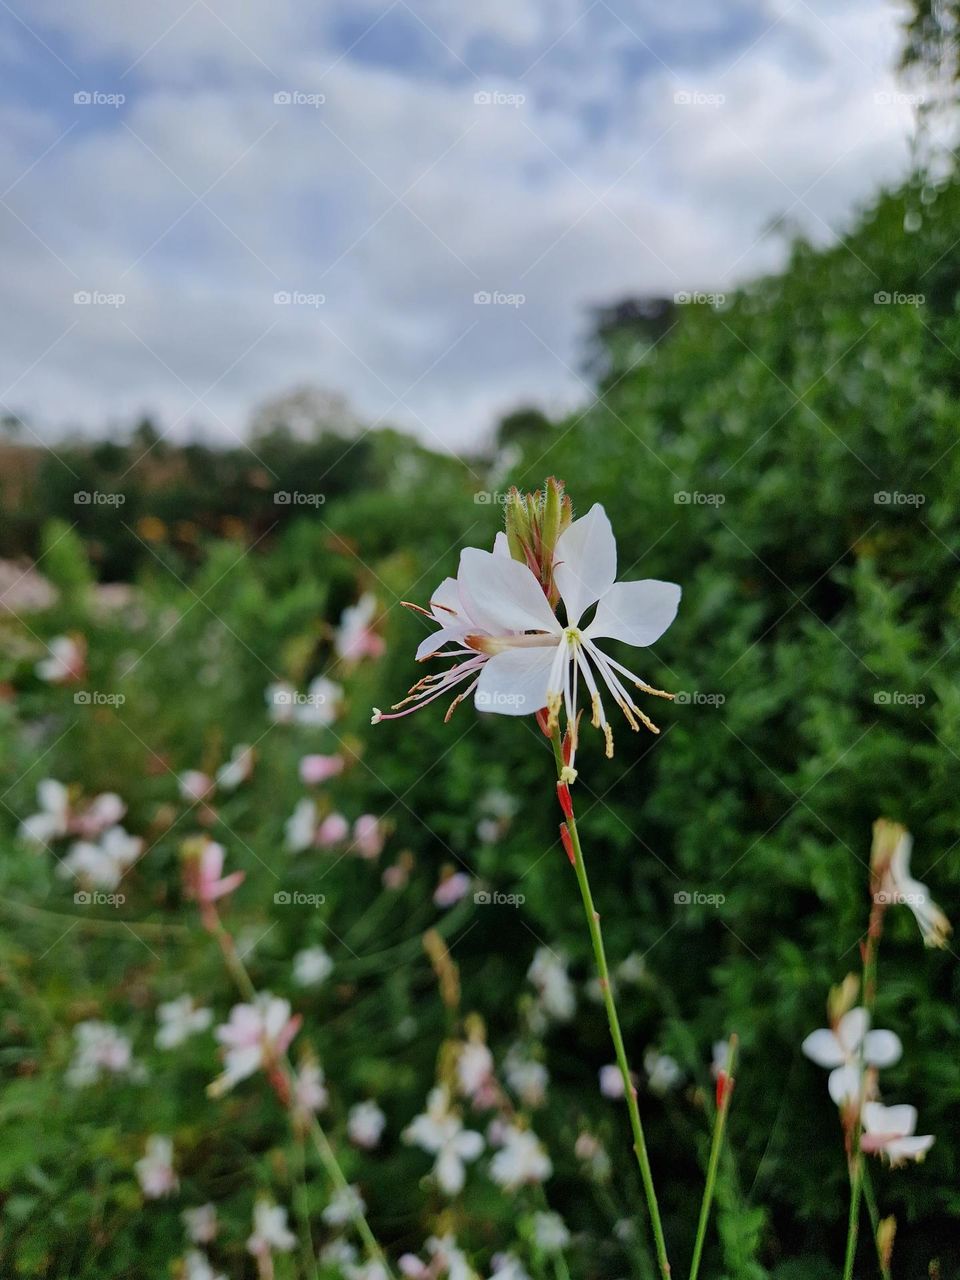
196, 1266
320, 705
451, 889
528, 1079
507, 1266
315, 769
311, 966
611, 1081
338, 1253
521, 1159
899, 886
270, 1230
440, 1132
155, 1169
179, 1019
280, 698
365, 1125
345, 1205
195, 786
66, 661
309, 1088
99, 1049
237, 769
102, 865
842, 1047
548, 973
53, 818
355, 637
200, 1224
105, 810
592, 1152
550, 1232
663, 1072
300, 829
474, 1068
889, 1131
256, 1036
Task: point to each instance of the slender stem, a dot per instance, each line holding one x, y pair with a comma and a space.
298, 1119
303, 1209
856, 1160
870, 1196
630, 1092
719, 1123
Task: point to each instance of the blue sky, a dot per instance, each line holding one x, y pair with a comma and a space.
555, 154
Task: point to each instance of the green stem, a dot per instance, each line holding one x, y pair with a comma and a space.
303, 1209
321, 1142
870, 1196
630, 1093
719, 1124
856, 1153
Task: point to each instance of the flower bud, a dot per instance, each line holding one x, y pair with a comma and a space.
886, 836
842, 998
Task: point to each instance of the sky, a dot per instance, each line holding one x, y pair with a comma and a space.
415, 204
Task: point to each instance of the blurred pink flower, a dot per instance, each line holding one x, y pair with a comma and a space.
316, 769
256, 1036
451, 889
67, 661
332, 830
155, 1169
368, 837
205, 881
355, 637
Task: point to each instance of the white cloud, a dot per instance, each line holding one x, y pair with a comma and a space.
598, 185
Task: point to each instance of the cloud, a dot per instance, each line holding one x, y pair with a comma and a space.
575, 177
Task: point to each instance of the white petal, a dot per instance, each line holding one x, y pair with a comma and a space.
429, 646
895, 1122
585, 562
450, 1172
852, 1028
823, 1048
882, 1048
468, 1144
514, 683
844, 1085
447, 597
502, 594
501, 547
636, 612
909, 1148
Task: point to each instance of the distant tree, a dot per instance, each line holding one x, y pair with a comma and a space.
305, 413
523, 427
623, 332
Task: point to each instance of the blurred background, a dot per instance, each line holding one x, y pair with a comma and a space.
290, 299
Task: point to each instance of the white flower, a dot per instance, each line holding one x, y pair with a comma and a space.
237, 769
550, 1232
320, 705
507, 1266
440, 1132
843, 1047
520, 1160
300, 829
200, 1224
179, 1019
309, 1089
99, 1049
194, 785
105, 810
280, 698
520, 657
365, 1125
611, 1081
66, 661
355, 637
346, 1205
256, 1035
311, 966
54, 815
155, 1169
196, 1266
528, 1079
338, 1253
548, 973
270, 1230
663, 1072
897, 885
102, 865
889, 1131
474, 1068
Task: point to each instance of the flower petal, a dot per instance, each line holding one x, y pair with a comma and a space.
437, 639
501, 594
851, 1029
514, 683
844, 1085
882, 1048
909, 1148
585, 562
637, 613
893, 1122
823, 1048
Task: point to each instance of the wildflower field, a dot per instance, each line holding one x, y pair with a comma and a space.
296, 988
